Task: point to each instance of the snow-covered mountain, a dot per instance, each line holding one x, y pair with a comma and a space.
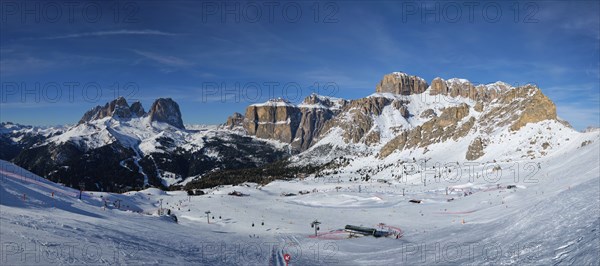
409, 120
450, 173
15, 137
118, 147
549, 217
405, 120
404, 113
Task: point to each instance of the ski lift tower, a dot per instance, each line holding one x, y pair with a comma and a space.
315, 224
81, 189
161, 208
207, 216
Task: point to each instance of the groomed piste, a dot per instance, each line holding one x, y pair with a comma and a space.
259, 228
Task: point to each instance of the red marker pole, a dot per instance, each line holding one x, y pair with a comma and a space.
287, 258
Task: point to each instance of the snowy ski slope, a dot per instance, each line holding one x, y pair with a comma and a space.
551, 218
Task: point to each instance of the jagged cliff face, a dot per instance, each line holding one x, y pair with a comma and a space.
162, 110
315, 112
167, 111
401, 83
298, 125
235, 120
276, 120
117, 147
116, 108
357, 120
438, 129
404, 113
464, 88
137, 109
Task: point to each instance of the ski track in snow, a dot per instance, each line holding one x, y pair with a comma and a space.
552, 221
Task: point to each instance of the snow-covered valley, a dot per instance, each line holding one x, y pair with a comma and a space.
521, 211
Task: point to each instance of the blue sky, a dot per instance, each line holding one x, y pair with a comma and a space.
196, 51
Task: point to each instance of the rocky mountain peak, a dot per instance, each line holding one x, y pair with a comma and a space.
120, 101
234, 120
456, 87
533, 104
120, 108
401, 83
386, 119
281, 120
116, 108
316, 100
275, 119
137, 109
166, 110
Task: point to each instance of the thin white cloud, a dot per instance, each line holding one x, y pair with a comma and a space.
106, 33
167, 60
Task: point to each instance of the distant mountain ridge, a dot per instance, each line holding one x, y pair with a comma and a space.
120, 146
407, 104
117, 147
405, 120
163, 110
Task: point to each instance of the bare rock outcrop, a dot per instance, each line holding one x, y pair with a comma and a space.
535, 107
311, 123
461, 87
117, 108
518, 107
437, 129
495, 105
397, 143
429, 113
401, 83
167, 111
298, 125
234, 120
162, 110
357, 119
452, 115
276, 119
137, 109
475, 150
402, 107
